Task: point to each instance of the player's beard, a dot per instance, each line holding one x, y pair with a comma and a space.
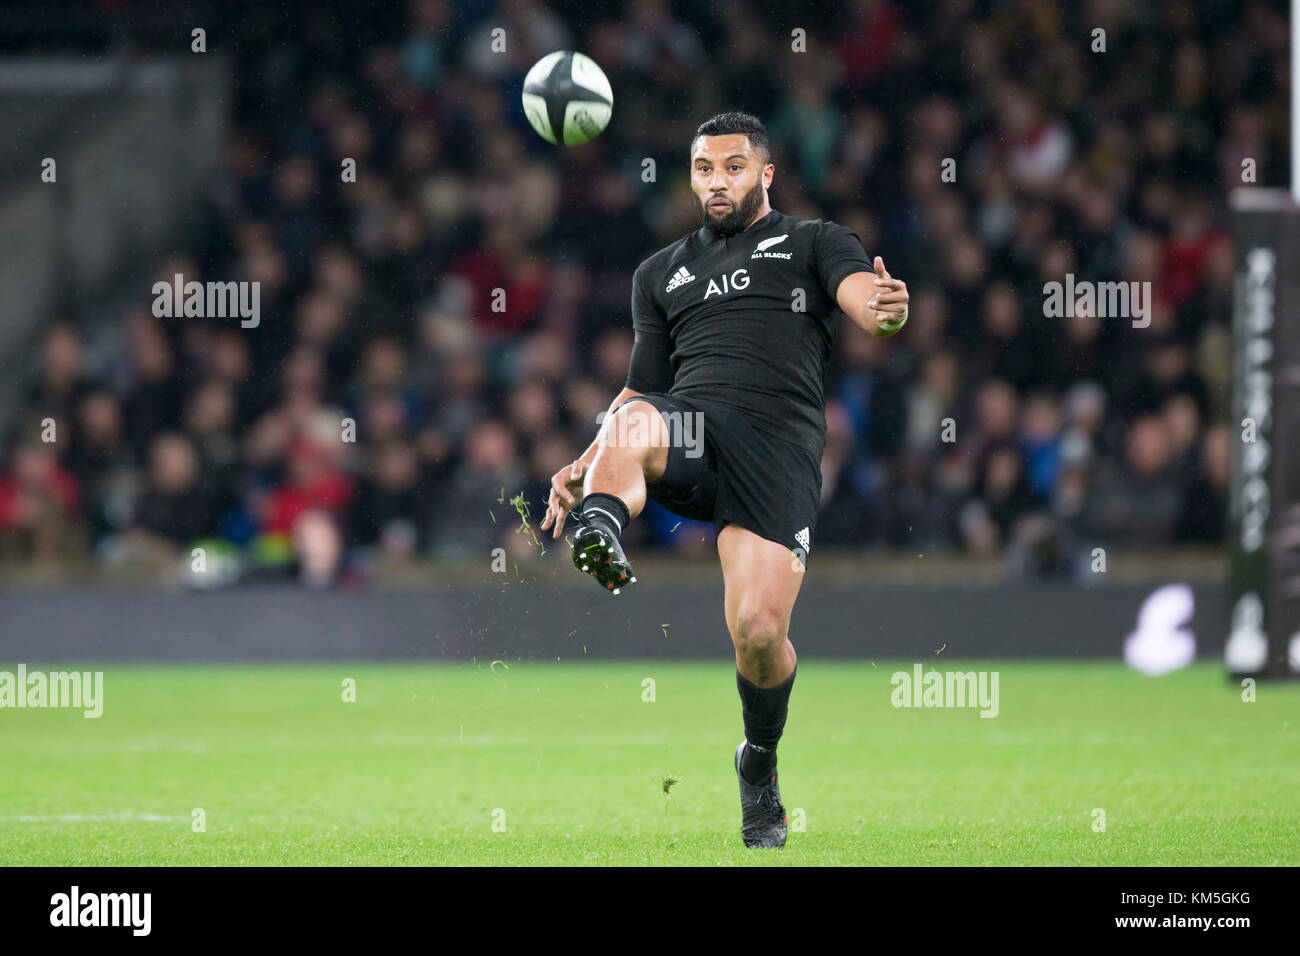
736, 219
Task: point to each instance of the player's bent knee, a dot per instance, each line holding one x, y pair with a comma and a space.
636, 431
758, 631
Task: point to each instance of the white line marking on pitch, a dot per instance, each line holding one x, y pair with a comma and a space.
93, 817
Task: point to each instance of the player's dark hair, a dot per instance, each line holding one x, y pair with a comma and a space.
751, 126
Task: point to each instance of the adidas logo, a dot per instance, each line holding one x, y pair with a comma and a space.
802, 538
680, 277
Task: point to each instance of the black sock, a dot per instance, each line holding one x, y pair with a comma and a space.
763, 710
607, 511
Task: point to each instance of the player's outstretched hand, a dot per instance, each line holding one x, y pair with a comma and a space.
566, 487
890, 300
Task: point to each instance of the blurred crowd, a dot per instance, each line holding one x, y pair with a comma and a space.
438, 336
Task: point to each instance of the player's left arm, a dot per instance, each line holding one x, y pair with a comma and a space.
874, 300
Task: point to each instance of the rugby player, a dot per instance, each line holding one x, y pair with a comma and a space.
733, 327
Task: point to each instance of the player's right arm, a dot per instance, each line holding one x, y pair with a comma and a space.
650, 370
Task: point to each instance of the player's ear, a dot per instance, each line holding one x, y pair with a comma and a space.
768, 172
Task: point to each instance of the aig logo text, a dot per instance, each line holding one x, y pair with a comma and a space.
739, 280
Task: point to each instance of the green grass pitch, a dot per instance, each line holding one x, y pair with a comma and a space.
568, 761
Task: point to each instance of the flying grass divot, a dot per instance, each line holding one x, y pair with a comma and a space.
670, 781
521, 505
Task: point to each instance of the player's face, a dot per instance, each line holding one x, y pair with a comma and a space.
730, 180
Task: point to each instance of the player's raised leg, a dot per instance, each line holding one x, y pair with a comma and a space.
633, 449
762, 580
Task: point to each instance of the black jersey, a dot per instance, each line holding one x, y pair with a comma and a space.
748, 320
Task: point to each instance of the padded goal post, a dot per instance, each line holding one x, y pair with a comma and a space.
1264, 499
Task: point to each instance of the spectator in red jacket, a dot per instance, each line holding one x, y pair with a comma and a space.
38, 506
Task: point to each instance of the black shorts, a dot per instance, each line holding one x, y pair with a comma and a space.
736, 473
